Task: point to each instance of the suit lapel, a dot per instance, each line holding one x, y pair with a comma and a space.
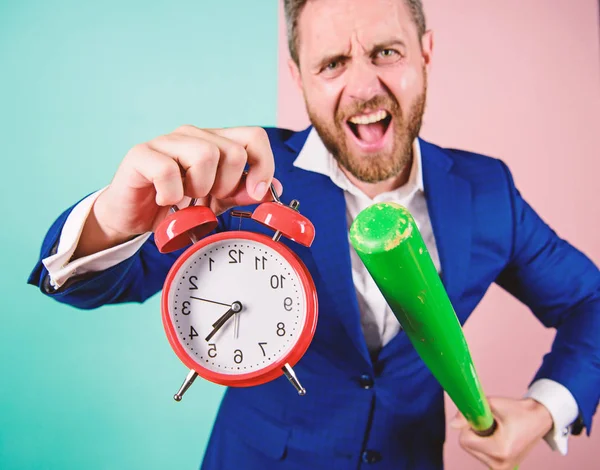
450, 206
324, 204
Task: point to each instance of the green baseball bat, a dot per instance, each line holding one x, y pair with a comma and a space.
388, 242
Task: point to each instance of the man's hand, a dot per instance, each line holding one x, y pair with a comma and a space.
207, 164
521, 425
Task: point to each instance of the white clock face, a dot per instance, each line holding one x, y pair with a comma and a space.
241, 275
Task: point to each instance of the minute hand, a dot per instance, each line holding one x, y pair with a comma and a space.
235, 308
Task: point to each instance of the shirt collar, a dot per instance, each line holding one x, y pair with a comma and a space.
315, 157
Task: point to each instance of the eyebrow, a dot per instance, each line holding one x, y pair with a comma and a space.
376, 48
387, 44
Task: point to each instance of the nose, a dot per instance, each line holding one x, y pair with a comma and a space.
362, 81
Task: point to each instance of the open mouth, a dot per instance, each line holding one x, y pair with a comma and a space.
370, 129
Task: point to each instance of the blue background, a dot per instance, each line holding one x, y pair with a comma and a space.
81, 83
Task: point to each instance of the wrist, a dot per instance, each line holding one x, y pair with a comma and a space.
101, 212
541, 414
97, 235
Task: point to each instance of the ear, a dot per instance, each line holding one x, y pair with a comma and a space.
427, 48
295, 71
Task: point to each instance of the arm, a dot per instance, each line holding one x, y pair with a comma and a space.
562, 288
118, 274
204, 164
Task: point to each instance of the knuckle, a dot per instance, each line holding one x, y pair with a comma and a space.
238, 155
185, 128
138, 150
209, 151
259, 134
163, 139
202, 151
167, 168
502, 455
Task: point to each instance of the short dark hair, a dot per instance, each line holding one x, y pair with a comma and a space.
293, 8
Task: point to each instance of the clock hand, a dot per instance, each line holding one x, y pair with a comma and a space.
236, 325
235, 308
210, 301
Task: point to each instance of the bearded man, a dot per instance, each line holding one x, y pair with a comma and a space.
362, 67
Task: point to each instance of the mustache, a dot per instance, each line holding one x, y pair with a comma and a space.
386, 102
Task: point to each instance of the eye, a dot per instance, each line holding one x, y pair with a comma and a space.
334, 68
387, 56
387, 53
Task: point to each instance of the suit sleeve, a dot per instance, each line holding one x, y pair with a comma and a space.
135, 279
562, 288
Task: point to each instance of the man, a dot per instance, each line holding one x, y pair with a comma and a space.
363, 68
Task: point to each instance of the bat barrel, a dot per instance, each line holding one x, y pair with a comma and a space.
387, 240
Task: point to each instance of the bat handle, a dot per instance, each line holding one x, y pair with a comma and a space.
487, 432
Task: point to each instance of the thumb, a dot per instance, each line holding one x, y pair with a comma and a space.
459, 421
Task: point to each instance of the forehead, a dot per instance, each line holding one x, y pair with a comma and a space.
331, 24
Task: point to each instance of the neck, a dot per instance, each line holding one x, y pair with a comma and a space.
375, 189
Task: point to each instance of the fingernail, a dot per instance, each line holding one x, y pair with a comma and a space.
260, 190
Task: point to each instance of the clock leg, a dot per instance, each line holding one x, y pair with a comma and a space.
291, 375
189, 380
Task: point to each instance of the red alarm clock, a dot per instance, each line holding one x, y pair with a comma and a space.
239, 308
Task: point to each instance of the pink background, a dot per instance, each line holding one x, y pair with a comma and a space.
518, 80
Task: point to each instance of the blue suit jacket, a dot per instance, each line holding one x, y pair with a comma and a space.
387, 410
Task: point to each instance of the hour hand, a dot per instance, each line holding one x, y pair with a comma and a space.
235, 308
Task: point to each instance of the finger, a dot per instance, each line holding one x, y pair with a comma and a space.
152, 166
496, 449
459, 421
232, 162
465, 441
200, 178
198, 158
468, 439
260, 157
242, 198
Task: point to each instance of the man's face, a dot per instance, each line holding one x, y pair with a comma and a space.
363, 75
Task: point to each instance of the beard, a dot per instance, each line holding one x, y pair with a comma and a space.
380, 166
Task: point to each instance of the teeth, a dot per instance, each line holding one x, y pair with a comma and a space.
369, 118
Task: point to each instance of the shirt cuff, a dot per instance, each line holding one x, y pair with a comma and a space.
562, 407
59, 267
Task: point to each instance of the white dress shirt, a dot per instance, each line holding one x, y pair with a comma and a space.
379, 324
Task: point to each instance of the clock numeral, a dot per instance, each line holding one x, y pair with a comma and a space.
287, 304
193, 332
210, 263
235, 256
277, 281
238, 357
185, 308
280, 329
259, 263
193, 281
212, 351
263, 349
